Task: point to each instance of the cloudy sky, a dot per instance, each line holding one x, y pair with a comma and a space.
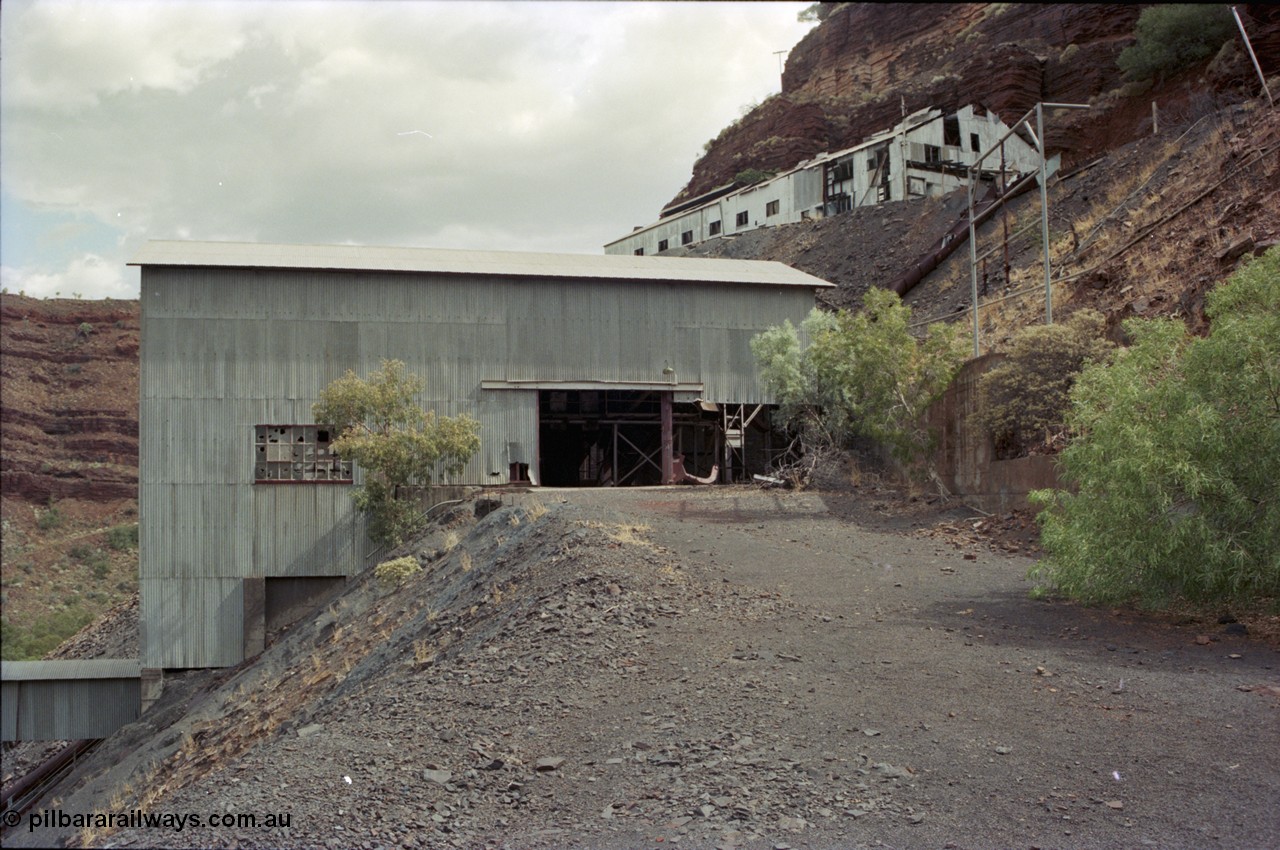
539, 126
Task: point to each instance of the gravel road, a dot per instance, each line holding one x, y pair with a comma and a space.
717, 667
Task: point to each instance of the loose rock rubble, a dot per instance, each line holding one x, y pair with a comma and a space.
707, 669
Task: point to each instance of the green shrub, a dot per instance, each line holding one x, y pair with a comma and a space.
41, 638
752, 176
81, 552
1177, 462
862, 375
397, 571
123, 537
817, 12
51, 518
1023, 400
1173, 36
99, 563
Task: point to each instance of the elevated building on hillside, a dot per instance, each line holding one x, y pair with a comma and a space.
927, 154
580, 369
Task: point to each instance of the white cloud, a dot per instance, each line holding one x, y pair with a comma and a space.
87, 275
112, 47
552, 125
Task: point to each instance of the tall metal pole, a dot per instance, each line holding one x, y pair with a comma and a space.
973, 260
1044, 213
1249, 46
668, 455
1004, 212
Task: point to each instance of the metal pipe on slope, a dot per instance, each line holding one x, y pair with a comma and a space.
958, 234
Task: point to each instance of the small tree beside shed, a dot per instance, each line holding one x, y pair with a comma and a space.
395, 441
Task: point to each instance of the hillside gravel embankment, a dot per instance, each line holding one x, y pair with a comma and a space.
715, 667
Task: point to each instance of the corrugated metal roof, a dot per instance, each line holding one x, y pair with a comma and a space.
97, 668
450, 261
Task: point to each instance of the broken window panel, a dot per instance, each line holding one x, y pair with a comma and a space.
714, 228
686, 237
639, 252
771, 208
297, 453
663, 245
951, 131
742, 218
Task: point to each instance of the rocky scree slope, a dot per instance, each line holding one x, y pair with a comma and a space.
555, 677
475, 701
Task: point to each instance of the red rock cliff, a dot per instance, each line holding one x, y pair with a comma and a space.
853, 75
70, 400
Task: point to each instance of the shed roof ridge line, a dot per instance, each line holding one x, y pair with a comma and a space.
346, 257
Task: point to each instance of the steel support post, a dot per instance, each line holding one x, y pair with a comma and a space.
973, 258
1044, 213
667, 454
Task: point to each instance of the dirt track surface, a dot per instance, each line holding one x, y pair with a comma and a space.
712, 668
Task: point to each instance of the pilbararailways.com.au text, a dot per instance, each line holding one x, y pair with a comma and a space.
137, 819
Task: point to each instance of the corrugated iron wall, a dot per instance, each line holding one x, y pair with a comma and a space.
68, 709
225, 350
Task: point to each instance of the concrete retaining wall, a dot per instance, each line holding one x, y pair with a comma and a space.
965, 458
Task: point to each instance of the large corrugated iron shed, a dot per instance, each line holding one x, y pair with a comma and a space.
579, 369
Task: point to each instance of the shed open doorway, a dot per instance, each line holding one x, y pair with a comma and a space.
615, 438
600, 438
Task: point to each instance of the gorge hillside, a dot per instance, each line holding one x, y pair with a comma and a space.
1165, 184
868, 64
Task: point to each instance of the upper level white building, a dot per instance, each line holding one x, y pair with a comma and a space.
926, 154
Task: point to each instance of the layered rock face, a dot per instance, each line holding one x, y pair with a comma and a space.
868, 64
70, 400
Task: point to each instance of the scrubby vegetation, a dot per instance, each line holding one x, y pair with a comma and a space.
860, 375
1024, 398
396, 443
123, 537
1175, 467
1173, 36
43, 636
817, 12
752, 176
50, 519
397, 571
